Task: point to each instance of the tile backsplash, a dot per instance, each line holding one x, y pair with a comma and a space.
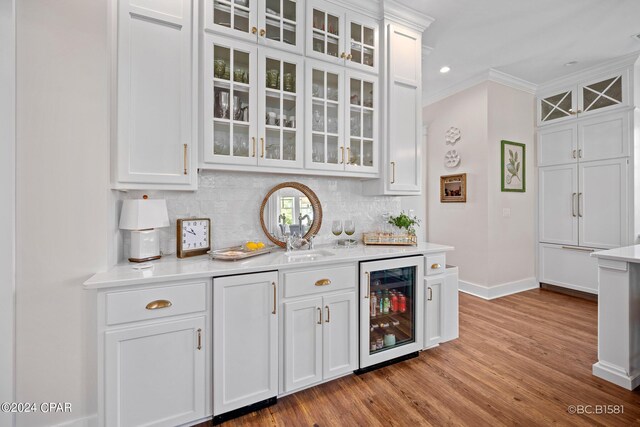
232, 201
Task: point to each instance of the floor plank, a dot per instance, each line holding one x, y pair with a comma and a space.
520, 360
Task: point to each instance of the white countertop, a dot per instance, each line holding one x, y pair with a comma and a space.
626, 253
171, 268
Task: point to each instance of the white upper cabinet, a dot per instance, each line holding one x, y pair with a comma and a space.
558, 144
605, 92
605, 136
362, 122
341, 37
156, 109
558, 204
274, 23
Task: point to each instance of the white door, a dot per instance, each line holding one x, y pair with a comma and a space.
155, 112
405, 111
155, 374
434, 310
604, 137
237, 18
324, 116
230, 98
281, 24
340, 335
281, 79
302, 343
245, 336
362, 98
325, 33
603, 204
557, 145
558, 204
363, 32
557, 105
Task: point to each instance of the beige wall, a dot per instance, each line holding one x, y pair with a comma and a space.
491, 249
62, 200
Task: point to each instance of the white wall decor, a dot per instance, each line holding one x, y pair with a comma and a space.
452, 159
452, 136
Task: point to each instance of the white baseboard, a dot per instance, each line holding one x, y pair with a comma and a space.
615, 375
89, 421
497, 291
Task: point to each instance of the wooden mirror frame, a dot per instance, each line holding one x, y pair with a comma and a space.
315, 204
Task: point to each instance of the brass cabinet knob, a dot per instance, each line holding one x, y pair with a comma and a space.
323, 282
254, 30
435, 266
157, 304
262, 32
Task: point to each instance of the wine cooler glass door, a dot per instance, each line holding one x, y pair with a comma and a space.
391, 302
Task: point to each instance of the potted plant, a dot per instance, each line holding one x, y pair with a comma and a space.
405, 222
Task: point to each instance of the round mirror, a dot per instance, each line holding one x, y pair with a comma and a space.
290, 208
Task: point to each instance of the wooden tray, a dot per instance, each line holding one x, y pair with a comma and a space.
382, 239
236, 253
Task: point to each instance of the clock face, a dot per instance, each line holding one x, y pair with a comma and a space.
195, 234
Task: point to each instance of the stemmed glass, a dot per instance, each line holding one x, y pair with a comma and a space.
336, 229
350, 229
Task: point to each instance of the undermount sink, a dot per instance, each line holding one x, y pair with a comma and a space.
308, 255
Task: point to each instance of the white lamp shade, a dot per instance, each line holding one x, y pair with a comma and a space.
142, 214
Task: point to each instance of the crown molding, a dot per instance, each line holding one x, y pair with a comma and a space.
407, 16
603, 68
490, 75
371, 8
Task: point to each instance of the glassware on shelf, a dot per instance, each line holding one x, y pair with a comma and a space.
349, 230
272, 79
237, 108
288, 82
219, 68
222, 110
317, 120
238, 76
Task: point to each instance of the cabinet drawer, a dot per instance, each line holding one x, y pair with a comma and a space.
569, 267
154, 303
297, 283
435, 264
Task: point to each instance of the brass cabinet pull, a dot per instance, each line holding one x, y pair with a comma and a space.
262, 147
158, 304
274, 297
574, 154
366, 273
254, 30
580, 153
319, 315
580, 204
348, 155
575, 248
342, 153
262, 32
393, 172
185, 159
349, 56
430, 294
253, 142
323, 282
435, 266
343, 55
199, 339
328, 314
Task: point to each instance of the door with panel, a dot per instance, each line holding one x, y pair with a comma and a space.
245, 333
229, 101
558, 144
603, 207
281, 24
325, 37
281, 78
303, 343
324, 115
605, 136
557, 204
236, 18
434, 310
604, 93
362, 119
155, 374
156, 136
557, 105
362, 42
340, 335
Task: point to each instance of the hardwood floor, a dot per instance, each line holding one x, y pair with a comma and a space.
520, 360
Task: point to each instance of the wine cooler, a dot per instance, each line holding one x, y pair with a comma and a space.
391, 309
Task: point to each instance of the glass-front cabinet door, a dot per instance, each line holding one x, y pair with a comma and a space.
280, 24
229, 102
603, 93
325, 32
232, 17
557, 106
362, 36
362, 120
280, 108
324, 117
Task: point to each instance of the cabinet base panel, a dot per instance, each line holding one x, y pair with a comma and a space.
386, 363
567, 291
219, 419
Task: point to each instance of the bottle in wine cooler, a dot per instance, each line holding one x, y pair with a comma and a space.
380, 303
402, 303
394, 302
386, 303
374, 304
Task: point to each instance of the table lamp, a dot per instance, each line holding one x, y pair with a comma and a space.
143, 217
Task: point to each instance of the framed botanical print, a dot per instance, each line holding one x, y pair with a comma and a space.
453, 188
513, 166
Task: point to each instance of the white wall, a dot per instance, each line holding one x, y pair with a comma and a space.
496, 254
7, 207
62, 200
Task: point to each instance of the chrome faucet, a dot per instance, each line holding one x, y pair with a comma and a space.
300, 218
296, 242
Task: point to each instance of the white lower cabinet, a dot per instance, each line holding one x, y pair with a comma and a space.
320, 339
441, 308
571, 267
156, 374
245, 337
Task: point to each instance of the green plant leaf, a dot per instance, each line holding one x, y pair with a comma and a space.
517, 167
516, 156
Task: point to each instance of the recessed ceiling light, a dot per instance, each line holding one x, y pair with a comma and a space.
570, 63
636, 36
445, 69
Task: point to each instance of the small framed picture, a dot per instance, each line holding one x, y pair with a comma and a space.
453, 188
513, 166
